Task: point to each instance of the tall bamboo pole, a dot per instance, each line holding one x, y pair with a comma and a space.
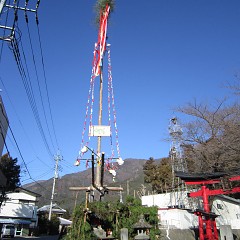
99, 163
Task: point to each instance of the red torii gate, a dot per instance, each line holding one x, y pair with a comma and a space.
207, 219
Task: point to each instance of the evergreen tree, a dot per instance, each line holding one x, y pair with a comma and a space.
159, 176
163, 181
113, 216
11, 170
149, 169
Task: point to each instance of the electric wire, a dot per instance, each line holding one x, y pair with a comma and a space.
29, 91
24, 162
66, 165
4, 31
27, 83
43, 174
28, 88
38, 82
3, 113
20, 122
20, 153
16, 52
45, 80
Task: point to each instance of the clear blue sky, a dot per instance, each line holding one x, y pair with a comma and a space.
164, 54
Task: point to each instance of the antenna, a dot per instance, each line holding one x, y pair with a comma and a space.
177, 162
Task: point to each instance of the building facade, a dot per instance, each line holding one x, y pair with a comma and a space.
227, 209
20, 209
3, 125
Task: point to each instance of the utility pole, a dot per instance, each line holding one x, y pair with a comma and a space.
10, 31
121, 197
2, 2
127, 187
57, 159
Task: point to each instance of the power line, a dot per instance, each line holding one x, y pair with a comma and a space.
24, 73
24, 160
37, 77
25, 76
20, 122
28, 88
44, 73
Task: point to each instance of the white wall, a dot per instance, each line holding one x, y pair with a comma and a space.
19, 205
165, 200
171, 217
177, 218
21, 195
15, 210
229, 213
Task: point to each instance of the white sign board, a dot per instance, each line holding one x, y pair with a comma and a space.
99, 131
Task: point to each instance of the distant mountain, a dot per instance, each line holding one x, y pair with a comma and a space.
129, 176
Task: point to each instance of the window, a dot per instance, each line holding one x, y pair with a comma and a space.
23, 201
219, 206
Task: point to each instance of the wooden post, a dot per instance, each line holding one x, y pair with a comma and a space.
99, 163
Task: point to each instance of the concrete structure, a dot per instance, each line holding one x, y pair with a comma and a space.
226, 207
3, 125
124, 234
173, 218
64, 224
20, 209
226, 232
165, 200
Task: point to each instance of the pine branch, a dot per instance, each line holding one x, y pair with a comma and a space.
101, 6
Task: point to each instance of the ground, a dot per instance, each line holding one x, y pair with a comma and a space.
36, 238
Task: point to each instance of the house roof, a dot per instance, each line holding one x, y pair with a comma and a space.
227, 198
14, 221
64, 221
55, 209
141, 224
20, 189
199, 176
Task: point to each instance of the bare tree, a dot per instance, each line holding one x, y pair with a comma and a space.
211, 139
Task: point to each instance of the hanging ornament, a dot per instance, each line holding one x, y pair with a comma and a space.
120, 161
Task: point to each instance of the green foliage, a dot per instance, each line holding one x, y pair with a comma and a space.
81, 229
101, 6
111, 215
48, 227
129, 215
149, 168
11, 171
158, 175
42, 224
53, 227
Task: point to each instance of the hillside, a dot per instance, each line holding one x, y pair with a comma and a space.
130, 177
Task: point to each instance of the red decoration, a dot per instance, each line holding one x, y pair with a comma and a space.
207, 219
101, 44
